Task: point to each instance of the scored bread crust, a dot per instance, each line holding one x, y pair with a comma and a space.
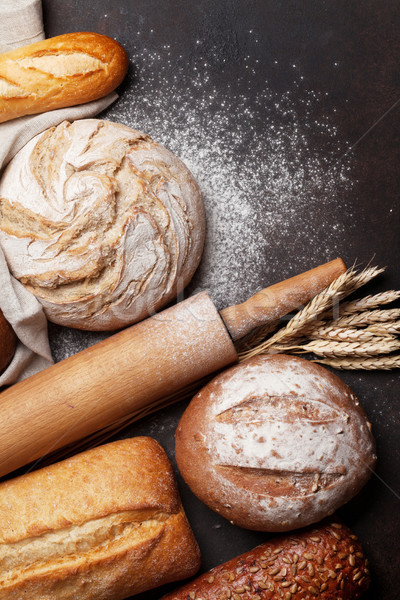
102, 224
104, 524
324, 562
275, 443
66, 70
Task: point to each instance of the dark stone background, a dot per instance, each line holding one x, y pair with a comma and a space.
362, 38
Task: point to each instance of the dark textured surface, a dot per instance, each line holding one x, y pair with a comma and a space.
349, 52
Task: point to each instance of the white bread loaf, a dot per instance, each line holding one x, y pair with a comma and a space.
106, 523
101, 223
275, 443
66, 70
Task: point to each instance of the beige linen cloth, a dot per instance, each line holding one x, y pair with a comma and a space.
21, 24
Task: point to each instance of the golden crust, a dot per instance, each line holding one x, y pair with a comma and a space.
66, 70
107, 523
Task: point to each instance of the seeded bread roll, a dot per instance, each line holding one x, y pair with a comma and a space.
275, 443
101, 223
66, 70
8, 342
325, 563
106, 524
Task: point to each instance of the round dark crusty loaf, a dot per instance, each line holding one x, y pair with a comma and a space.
8, 342
275, 443
325, 563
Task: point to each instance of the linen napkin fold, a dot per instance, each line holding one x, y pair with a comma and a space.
21, 23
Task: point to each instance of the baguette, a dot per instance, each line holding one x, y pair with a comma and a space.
324, 563
66, 70
104, 524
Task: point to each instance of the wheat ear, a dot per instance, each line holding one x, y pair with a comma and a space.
369, 364
337, 349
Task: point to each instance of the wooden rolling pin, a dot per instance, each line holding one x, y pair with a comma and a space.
137, 366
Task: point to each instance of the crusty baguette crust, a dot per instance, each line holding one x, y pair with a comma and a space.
324, 562
105, 524
8, 342
66, 70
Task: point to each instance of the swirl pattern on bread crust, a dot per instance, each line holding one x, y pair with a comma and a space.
101, 223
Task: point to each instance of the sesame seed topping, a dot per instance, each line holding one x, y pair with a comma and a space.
337, 525
274, 571
308, 556
262, 585
338, 566
277, 551
336, 535
211, 579
315, 539
240, 590
286, 584
323, 587
288, 596
293, 589
295, 558
352, 560
254, 569
302, 565
313, 590
332, 574
293, 569
357, 576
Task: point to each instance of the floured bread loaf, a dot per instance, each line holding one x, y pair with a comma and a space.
105, 524
275, 443
101, 223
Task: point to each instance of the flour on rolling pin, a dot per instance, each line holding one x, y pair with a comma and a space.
135, 368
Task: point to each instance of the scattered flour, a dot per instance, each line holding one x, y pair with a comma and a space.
266, 166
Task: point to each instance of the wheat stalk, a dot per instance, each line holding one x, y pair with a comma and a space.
341, 287
337, 349
316, 306
368, 317
369, 302
390, 328
344, 334
370, 364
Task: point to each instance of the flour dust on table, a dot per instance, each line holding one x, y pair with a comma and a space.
268, 169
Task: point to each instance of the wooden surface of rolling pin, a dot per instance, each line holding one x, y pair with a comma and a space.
131, 369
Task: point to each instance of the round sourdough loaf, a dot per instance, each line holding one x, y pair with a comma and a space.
101, 223
275, 443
